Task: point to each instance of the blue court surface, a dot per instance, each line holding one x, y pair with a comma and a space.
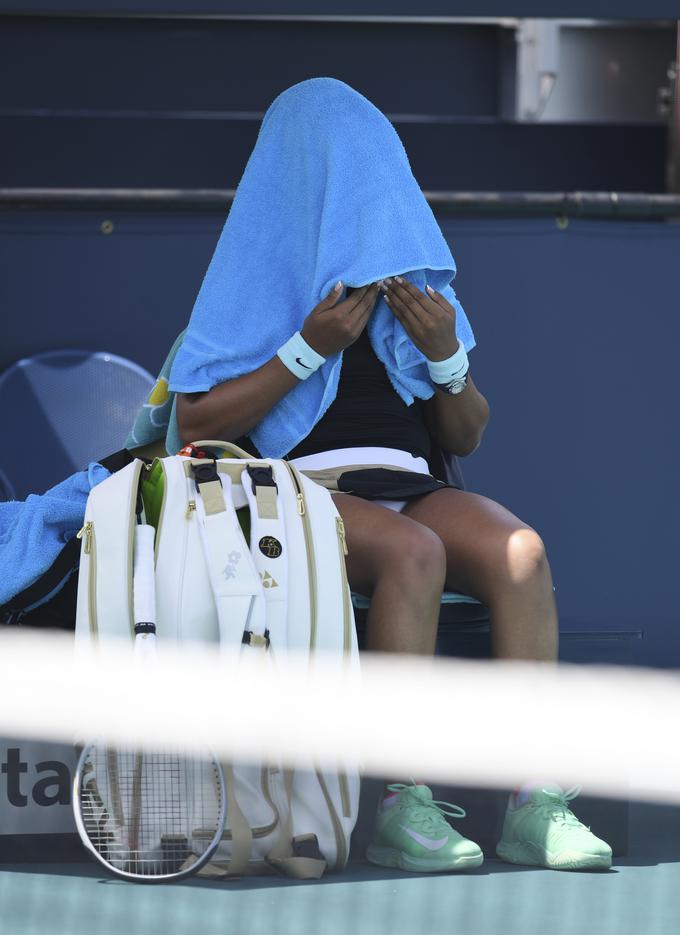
640, 895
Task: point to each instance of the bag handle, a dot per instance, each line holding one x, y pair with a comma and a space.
225, 446
298, 857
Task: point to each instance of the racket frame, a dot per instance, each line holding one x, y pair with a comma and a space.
200, 860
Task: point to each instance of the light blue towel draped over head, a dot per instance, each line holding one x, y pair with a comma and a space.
327, 194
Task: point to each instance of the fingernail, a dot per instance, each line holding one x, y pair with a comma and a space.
429, 289
338, 285
388, 281
398, 278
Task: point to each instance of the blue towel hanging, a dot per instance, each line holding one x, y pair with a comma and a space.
327, 194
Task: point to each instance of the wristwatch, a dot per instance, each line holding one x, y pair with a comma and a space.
455, 386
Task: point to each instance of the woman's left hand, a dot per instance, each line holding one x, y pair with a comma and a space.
429, 320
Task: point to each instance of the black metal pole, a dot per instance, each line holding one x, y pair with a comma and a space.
635, 205
674, 129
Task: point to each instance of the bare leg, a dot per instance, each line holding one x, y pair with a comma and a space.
401, 566
493, 556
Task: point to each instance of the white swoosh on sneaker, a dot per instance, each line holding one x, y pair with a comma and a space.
421, 839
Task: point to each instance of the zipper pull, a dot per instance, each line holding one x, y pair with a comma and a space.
341, 532
87, 532
300, 504
191, 508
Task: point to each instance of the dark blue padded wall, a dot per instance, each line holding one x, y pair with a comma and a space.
177, 103
577, 333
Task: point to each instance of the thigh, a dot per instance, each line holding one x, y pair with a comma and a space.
380, 538
476, 533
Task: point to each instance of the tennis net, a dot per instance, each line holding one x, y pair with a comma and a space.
470, 730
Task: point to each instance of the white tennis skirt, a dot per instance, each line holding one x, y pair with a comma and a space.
346, 457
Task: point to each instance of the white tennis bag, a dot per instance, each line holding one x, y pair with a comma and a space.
285, 589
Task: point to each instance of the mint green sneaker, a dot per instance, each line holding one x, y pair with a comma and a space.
413, 834
544, 832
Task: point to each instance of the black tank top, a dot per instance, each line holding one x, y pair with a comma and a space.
367, 410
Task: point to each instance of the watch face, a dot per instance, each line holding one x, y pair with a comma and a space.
456, 386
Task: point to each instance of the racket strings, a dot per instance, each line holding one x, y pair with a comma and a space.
147, 813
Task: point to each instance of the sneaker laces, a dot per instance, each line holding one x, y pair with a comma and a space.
558, 809
426, 812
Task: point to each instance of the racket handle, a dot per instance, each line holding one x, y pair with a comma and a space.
145, 640
144, 574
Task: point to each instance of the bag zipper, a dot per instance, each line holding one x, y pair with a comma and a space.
190, 511
132, 522
346, 617
311, 558
340, 845
161, 513
341, 535
90, 548
87, 532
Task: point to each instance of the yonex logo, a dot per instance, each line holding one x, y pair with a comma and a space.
267, 580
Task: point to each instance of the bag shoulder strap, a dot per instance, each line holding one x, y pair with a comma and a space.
298, 857
235, 583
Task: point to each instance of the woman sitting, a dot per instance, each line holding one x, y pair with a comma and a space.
369, 377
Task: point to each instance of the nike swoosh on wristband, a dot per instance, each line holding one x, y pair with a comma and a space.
421, 839
298, 361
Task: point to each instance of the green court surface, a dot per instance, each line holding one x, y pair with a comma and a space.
639, 896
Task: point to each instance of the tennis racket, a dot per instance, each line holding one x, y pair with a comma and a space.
148, 815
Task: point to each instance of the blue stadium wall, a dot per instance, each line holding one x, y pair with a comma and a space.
577, 326
577, 333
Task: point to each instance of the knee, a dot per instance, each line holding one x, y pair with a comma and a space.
526, 556
418, 553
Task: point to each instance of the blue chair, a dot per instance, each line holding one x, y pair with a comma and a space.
463, 625
60, 410
448, 597
6, 489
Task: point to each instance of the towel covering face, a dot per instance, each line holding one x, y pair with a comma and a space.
327, 194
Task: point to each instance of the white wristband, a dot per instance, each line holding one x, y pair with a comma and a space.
453, 368
299, 357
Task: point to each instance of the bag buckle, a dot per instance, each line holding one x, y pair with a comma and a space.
205, 473
262, 475
254, 639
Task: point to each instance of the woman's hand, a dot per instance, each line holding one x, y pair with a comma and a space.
331, 327
430, 322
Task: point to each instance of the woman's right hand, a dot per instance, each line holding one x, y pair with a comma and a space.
332, 326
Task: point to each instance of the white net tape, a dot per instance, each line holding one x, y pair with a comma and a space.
495, 723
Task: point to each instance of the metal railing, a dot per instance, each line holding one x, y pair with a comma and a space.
631, 205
